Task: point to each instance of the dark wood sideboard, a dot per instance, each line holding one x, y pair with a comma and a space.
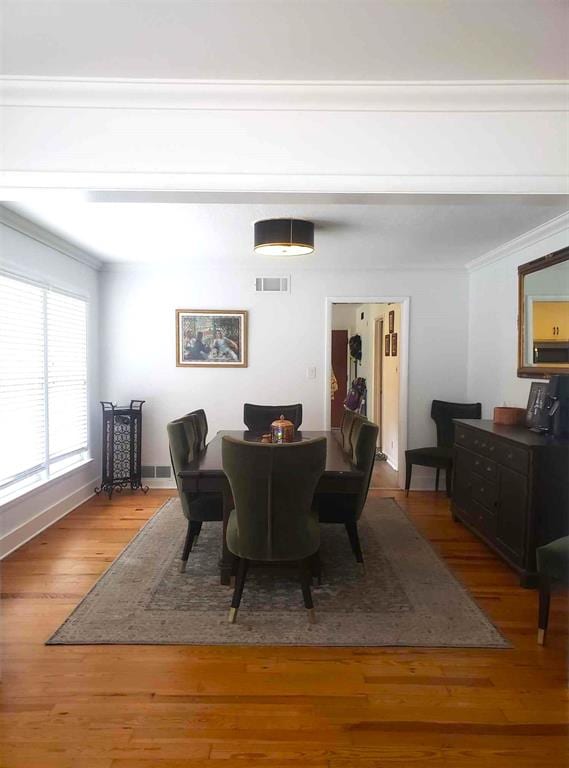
511, 488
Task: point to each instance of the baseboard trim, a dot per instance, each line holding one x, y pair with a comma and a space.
44, 519
160, 482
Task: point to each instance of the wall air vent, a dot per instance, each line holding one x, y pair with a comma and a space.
272, 284
150, 471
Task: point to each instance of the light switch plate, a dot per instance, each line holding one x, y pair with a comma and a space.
311, 373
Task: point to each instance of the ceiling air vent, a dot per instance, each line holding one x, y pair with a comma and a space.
272, 284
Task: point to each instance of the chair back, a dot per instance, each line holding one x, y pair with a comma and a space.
346, 429
273, 489
181, 438
258, 418
443, 413
364, 441
201, 425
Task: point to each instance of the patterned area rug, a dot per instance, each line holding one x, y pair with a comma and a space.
407, 597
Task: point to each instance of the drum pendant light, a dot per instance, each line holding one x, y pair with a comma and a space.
284, 237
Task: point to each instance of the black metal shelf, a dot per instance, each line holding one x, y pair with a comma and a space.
122, 440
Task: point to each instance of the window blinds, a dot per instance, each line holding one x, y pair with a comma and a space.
43, 380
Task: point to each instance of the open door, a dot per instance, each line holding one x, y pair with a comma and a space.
378, 378
340, 368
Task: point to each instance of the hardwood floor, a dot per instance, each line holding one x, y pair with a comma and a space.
208, 707
384, 477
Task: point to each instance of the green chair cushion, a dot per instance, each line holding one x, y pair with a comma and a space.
273, 489
553, 560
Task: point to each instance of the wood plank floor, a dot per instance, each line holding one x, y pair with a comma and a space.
168, 707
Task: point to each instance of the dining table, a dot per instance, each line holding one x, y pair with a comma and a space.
204, 474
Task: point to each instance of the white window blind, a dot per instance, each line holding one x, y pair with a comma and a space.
66, 375
43, 382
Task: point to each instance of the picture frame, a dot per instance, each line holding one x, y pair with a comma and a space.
536, 418
391, 320
211, 338
393, 345
387, 350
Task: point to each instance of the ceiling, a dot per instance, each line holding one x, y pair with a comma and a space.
287, 39
377, 232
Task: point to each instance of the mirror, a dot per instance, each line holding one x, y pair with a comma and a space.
543, 316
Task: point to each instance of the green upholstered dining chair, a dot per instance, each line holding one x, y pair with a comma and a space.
439, 456
258, 418
201, 426
552, 566
273, 520
346, 508
198, 508
346, 429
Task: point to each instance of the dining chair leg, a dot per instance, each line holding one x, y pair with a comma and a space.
408, 470
543, 613
305, 578
437, 479
192, 532
448, 479
242, 568
316, 567
352, 531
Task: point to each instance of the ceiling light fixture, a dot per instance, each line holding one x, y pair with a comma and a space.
284, 237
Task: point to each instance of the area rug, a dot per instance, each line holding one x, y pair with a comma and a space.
407, 596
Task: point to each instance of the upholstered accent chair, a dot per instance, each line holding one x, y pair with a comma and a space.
439, 456
552, 566
273, 520
258, 418
200, 419
198, 508
344, 508
346, 429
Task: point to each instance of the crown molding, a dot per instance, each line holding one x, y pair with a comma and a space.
15, 184
555, 226
374, 96
29, 228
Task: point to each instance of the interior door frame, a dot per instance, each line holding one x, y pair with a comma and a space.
378, 377
405, 302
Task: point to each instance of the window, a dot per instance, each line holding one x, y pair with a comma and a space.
43, 383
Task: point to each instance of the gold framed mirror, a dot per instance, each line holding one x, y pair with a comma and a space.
543, 316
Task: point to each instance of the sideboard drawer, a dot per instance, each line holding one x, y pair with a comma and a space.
484, 491
513, 457
486, 445
464, 436
484, 467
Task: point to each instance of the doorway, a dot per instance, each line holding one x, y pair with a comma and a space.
378, 329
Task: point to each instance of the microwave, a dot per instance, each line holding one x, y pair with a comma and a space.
545, 352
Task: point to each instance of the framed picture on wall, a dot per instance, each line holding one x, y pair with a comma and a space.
387, 345
391, 321
536, 415
393, 345
211, 338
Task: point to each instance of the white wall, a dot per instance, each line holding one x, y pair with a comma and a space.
335, 39
26, 516
493, 335
286, 336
